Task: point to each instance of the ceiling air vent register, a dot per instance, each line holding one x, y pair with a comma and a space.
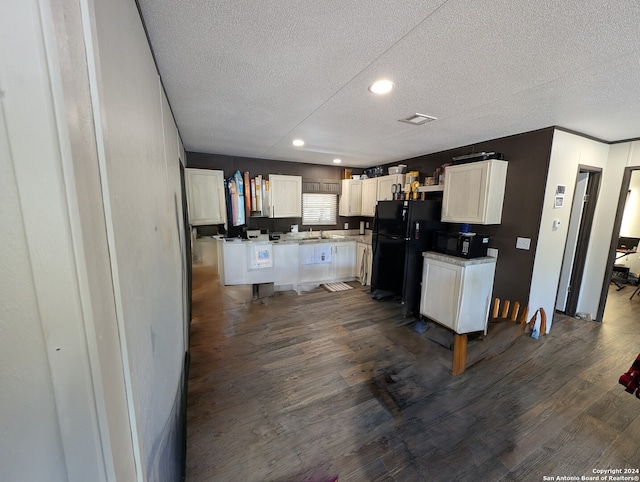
418, 119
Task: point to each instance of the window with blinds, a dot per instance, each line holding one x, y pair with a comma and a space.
318, 209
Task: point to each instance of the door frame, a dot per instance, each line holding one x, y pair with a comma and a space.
584, 236
617, 224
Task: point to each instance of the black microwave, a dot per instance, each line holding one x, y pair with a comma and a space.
464, 245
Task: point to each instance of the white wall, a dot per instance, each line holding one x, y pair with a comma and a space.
30, 444
568, 152
620, 156
144, 201
50, 428
93, 310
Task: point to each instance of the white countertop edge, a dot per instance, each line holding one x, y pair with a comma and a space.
447, 258
360, 239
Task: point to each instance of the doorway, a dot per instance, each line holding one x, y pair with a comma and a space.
579, 231
626, 224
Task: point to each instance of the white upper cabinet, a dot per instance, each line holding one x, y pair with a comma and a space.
473, 192
205, 197
369, 193
285, 196
351, 198
385, 186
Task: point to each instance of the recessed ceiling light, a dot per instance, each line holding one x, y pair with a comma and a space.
381, 87
337, 161
298, 142
418, 119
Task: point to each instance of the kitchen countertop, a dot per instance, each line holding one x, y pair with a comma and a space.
306, 238
446, 258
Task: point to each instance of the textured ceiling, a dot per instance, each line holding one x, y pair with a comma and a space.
246, 77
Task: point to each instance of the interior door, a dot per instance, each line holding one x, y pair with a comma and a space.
572, 240
584, 234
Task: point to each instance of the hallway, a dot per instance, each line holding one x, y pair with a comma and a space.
307, 387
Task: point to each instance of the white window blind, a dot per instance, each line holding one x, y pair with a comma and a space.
319, 209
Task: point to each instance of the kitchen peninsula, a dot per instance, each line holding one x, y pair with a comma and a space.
298, 261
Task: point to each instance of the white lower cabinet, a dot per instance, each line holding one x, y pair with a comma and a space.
327, 262
286, 259
315, 263
456, 292
234, 264
246, 263
344, 261
286, 265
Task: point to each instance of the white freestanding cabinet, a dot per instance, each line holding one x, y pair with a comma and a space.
285, 196
473, 192
205, 197
351, 198
456, 292
369, 197
344, 261
385, 184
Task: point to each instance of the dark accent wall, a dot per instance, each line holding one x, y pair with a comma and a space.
231, 164
528, 155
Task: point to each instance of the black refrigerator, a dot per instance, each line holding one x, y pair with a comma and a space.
402, 231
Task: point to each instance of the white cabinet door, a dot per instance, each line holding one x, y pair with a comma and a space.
351, 198
474, 192
286, 260
234, 260
285, 196
369, 196
441, 292
315, 263
457, 294
205, 197
385, 186
344, 261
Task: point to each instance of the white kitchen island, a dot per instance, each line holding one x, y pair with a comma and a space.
291, 264
456, 293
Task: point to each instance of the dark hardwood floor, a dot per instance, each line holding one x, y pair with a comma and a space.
309, 387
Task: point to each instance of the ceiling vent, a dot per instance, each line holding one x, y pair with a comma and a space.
418, 119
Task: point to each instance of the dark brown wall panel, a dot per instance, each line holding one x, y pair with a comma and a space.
231, 164
528, 155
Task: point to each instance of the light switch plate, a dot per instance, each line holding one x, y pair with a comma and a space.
523, 243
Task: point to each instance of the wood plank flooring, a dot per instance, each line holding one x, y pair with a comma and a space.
307, 387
